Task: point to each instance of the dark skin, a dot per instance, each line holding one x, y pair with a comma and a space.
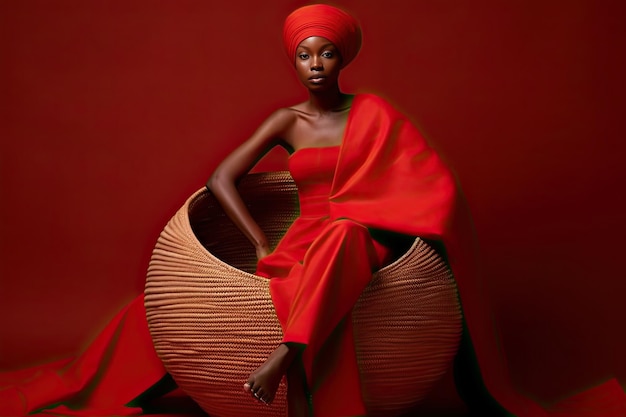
318, 122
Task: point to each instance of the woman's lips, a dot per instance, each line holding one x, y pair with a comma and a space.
317, 78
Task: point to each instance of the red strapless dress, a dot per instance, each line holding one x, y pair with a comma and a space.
318, 271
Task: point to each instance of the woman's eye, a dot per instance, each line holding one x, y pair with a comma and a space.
303, 56
327, 54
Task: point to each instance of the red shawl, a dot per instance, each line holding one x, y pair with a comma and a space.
389, 178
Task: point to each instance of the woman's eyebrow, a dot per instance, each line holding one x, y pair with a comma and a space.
329, 44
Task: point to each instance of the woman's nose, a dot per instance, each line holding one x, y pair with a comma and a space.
316, 64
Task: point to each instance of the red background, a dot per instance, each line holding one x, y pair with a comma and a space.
114, 112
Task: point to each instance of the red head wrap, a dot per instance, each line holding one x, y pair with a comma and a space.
326, 21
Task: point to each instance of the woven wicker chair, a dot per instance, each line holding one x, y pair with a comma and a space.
213, 322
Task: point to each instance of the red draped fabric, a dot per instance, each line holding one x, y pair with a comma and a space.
318, 271
118, 365
389, 178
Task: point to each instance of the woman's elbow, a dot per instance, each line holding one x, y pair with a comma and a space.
217, 181
211, 183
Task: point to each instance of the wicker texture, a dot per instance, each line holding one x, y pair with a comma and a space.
213, 322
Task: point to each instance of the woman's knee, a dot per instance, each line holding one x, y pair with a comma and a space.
348, 226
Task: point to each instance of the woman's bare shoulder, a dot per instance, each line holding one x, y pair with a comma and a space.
282, 122
282, 119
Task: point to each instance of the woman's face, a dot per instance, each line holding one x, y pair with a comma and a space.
318, 63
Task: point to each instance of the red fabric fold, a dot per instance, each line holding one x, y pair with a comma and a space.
389, 178
117, 366
606, 400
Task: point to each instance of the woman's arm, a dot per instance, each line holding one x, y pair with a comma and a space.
222, 182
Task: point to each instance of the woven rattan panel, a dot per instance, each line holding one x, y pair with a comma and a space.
212, 322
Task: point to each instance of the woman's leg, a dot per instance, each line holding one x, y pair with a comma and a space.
263, 382
336, 269
299, 400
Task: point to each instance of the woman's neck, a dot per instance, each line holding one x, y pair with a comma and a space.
331, 100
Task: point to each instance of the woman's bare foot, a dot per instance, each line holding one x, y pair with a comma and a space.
263, 382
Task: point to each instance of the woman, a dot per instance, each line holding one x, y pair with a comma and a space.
353, 158
311, 131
